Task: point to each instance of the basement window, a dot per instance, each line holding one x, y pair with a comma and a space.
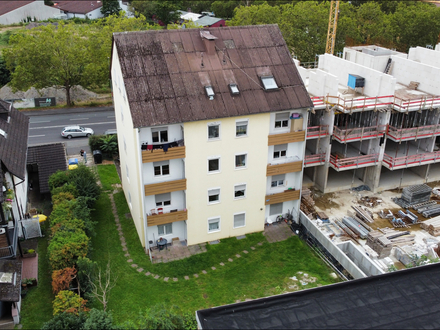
234, 89
210, 92
269, 83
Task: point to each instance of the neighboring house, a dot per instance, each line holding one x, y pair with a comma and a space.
14, 127
84, 8
210, 128
13, 12
205, 19
10, 293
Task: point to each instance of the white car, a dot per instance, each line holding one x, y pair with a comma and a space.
74, 131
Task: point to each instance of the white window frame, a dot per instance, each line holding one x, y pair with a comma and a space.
164, 229
129, 200
280, 180
219, 164
161, 165
239, 123
213, 220
213, 192
269, 83
284, 123
162, 200
244, 220
159, 130
280, 148
219, 131
236, 188
126, 170
245, 161
122, 113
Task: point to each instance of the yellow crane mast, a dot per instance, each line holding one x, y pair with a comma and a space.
332, 24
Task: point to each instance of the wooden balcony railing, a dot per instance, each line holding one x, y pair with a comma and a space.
160, 219
340, 164
158, 155
287, 195
314, 160
359, 133
403, 134
283, 138
165, 187
288, 165
317, 131
409, 161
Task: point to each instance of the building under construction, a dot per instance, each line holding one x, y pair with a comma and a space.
375, 119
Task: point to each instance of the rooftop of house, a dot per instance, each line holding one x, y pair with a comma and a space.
14, 130
77, 7
50, 158
167, 74
208, 20
8, 6
401, 299
10, 280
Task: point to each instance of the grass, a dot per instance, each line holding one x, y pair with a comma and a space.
108, 176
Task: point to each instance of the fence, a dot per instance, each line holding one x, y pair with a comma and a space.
353, 162
399, 134
314, 160
413, 160
317, 131
359, 133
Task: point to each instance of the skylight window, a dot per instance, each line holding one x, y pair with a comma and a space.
269, 83
234, 89
2, 132
209, 92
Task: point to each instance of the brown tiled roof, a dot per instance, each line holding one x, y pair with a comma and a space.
13, 146
163, 74
49, 158
7, 6
9, 291
78, 6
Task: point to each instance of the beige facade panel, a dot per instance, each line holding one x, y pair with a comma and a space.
165, 187
288, 195
161, 219
158, 155
275, 139
284, 168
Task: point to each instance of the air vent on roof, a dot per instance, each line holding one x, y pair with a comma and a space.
2, 132
234, 89
209, 92
269, 83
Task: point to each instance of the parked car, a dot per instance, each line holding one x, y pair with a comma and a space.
74, 131
111, 132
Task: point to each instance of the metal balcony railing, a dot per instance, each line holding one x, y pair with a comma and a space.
317, 131
403, 134
314, 160
353, 162
359, 133
413, 160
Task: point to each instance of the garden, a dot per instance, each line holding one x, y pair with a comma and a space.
85, 279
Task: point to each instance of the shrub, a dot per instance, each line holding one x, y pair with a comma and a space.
69, 302
158, 317
61, 196
109, 144
71, 225
62, 278
60, 213
58, 179
65, 188
86, 183
99, 320
83, 212
66, 247
86, 268
65, 321
95, 142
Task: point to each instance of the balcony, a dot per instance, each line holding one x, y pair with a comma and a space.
165, 187
314, 132
394, 163
283, 138
284, 165
359, 133
287, 195
404, 134
156, 152
340, 163
8, 243
172, 216
314, 160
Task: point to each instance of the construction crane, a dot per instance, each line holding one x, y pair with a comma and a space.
332, 24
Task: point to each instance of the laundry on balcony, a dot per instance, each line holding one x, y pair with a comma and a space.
164, 146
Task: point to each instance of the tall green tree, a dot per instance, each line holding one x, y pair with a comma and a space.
49, 56
165, 11
110, 7
256, 14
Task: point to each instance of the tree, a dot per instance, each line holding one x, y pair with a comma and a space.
65, 321
162, 11
110, 7
49, 56
255, 15
61, 279
69, 302
109, 144
5, 75
102, 286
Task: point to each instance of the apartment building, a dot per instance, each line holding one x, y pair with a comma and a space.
211, 130
375, 119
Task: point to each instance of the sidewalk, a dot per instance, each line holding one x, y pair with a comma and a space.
58, 111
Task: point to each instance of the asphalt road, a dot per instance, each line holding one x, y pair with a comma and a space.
45, 126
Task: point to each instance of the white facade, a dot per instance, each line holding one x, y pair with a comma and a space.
94, 14
35, 10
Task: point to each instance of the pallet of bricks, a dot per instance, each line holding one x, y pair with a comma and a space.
307, 203
432, 226
379, 243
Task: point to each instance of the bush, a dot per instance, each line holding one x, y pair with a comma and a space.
99, 320
158, 317
65, 188
58, 179
86, 268
61, 197
109, 144
69, 302
65, 321
86, 183
61, 212
71, 225
66, 247
61, 279
83, 212
95, 142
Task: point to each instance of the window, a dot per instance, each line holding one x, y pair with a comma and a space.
213, 131
234, 89
213, 196
161, 168
239, 220
163, 199
129, 200
239, 191
241, 128
213, 225
210, 92
282, 120
278, 180
240, 161
126, 170
214, 165
122, 113
165, 229
159, 135
279, 150
276, 209
269, 83
125, 145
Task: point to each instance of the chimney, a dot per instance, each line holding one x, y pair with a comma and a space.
209, 41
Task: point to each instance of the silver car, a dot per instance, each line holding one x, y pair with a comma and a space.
74, 131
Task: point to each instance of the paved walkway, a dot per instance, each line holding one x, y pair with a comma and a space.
277, 232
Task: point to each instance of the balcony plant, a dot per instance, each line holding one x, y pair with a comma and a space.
29, 253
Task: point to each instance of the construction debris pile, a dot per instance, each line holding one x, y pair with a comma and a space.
418, 254
432, 226
404, 220
307, 203
383, 240
369, 201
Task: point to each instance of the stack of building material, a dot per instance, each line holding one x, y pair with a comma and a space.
416, 194
355, 226
363, 214
432, 226
307, 203
379, 243
347, 230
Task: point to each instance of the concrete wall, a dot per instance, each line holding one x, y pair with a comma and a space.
322, 83
360, 258
376, 82
36, 9
425, 56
